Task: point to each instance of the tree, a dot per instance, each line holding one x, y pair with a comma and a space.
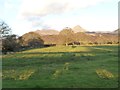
5, 30
8, 41
68, 35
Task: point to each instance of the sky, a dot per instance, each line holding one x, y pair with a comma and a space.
29, 15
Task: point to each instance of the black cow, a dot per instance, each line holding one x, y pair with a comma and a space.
76, 43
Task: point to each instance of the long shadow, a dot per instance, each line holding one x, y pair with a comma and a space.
42, 57
38, 60
52, 52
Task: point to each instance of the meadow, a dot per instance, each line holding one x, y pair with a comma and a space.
62, 67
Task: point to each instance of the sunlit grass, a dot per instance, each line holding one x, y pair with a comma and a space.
17, 75
60, 71
103, 73
60, 49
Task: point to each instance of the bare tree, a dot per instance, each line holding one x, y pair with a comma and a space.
7, 40
5, 30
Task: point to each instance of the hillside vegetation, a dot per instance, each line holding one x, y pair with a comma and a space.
62, 66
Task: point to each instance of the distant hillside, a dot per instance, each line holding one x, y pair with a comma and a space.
78, 29
77, 34
47, 32
116, 31
81, 37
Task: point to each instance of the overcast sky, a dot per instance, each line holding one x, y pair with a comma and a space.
28, 15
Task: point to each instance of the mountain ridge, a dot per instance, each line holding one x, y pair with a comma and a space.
47, 32
78, 28
75, 29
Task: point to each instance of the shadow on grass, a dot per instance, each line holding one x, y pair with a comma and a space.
39, 58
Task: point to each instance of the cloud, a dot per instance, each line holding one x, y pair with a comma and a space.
46, 7
9, 4
21, 26
37, 10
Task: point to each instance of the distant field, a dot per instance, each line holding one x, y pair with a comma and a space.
62, 66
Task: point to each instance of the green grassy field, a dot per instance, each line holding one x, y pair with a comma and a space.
62, 66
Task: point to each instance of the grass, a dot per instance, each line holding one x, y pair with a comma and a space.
61, 66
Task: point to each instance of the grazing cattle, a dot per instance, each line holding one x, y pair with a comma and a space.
76, 43
109, 42
49, 45
70, 43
